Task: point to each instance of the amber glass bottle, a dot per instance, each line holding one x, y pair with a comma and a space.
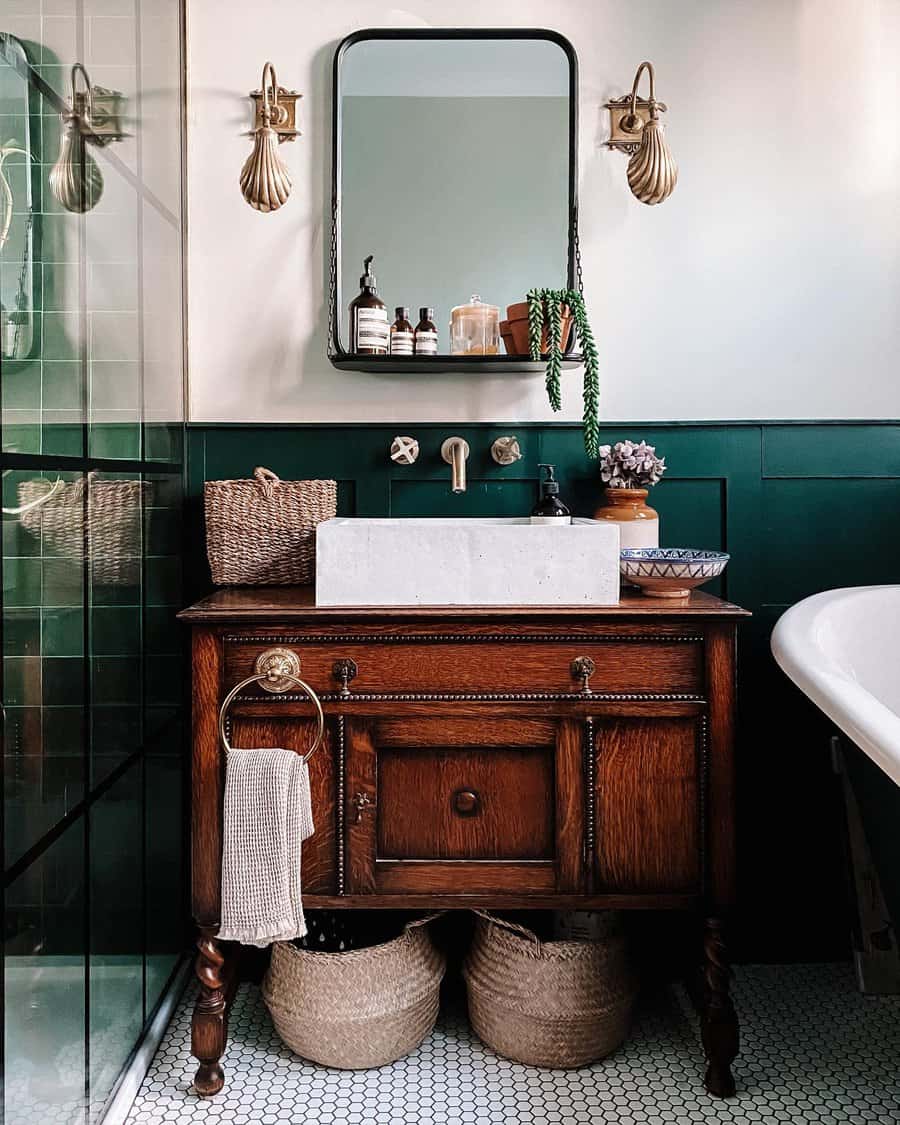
401, 333
426, 341
369, 333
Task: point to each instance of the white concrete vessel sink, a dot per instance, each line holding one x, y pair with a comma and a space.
475, 562
839, 648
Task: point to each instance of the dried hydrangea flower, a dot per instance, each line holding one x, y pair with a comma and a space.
629, 464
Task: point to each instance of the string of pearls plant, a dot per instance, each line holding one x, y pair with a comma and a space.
548, 305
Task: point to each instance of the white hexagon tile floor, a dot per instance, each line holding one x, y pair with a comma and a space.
813, 1050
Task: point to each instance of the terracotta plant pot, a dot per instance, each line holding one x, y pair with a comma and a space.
638, 523
514, 330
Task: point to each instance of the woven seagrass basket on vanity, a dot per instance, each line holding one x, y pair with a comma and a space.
110, 512
548, 1003
262, 532
357, 1009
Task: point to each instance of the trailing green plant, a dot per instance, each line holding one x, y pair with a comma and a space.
548, 304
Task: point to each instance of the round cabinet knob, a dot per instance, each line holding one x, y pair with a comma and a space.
465, 802
404, 450
506, 450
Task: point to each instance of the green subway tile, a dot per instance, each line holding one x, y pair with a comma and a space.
118, 440
18, 541
164, 581
163, 441
21, 386
115, 631
162, 632
63, 730
166, 490
61, 335
59, 240
63, 632
162, 730
115, 733
63, 385
63, 680
164, 683
116, 680
63, 582
22, 632
62, 434
22, 582
20, 436
162, 530
22, 681
61, 284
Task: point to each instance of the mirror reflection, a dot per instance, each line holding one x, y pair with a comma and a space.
16, 204
454, 164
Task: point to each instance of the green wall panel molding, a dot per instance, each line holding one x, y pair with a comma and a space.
801, 507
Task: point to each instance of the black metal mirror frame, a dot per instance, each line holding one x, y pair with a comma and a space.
336, 352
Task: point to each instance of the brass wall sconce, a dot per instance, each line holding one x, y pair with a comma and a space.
265, 180
635, 129
92, 116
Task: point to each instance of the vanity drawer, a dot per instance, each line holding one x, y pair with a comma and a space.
508, 665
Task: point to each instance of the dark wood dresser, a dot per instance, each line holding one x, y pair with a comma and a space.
517, 758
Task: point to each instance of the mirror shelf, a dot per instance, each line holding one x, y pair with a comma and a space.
449, 364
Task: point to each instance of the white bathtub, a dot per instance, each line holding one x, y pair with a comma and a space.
842, 649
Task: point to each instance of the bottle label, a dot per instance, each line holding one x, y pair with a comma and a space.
426, 342
372, 329
401, 343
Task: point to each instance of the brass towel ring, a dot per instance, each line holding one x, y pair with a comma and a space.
258, 678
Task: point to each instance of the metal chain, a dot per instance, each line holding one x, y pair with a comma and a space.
579, 275
23, 277
332, 280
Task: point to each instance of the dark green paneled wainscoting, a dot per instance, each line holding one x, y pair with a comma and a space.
801, 507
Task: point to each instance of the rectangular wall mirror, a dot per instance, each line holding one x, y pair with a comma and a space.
454, 165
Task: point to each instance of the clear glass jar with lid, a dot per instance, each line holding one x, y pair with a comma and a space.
475, 328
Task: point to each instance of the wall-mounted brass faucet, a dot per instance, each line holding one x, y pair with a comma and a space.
455, 451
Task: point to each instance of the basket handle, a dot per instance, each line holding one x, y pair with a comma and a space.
416, 922
514, 927
32, 504
267, 480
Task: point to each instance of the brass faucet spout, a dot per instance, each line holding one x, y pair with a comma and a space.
455, 451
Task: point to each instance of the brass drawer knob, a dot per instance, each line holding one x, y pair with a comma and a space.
582, 669
345, 671
466, 802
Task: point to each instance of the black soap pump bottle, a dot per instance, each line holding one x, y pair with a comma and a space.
369, 329
550, 509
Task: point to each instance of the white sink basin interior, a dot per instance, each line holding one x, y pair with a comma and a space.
466, 562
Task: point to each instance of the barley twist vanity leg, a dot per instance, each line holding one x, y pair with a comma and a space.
719, 1026
209, 1022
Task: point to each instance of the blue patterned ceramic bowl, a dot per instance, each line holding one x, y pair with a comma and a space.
670, 572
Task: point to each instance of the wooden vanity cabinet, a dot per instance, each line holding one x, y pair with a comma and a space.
497, 758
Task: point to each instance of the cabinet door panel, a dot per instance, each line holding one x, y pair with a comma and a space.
647, 801
462, 806
318, 853
469, 803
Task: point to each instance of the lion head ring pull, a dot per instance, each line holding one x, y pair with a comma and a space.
582, 669
277, 671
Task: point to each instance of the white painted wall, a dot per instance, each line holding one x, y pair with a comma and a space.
767, 286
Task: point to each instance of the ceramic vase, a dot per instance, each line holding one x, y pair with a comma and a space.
638, 523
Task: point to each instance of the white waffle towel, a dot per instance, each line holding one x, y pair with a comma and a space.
268, 814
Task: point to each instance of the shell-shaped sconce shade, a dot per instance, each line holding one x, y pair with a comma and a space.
652, 171
75, 179
265, 180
